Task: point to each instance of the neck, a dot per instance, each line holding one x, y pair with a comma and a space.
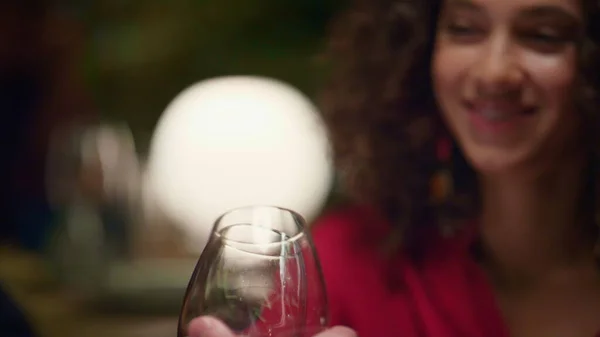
533, 227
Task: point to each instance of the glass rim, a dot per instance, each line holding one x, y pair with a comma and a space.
291, 239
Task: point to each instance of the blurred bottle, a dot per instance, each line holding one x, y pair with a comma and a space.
94, 186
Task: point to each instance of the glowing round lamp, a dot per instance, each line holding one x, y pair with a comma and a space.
235, 141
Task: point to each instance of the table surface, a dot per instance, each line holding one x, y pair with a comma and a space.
53, 313
103, 326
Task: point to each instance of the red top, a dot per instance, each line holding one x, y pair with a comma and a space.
445, 295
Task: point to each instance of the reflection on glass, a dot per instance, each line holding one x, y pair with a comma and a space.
260, 275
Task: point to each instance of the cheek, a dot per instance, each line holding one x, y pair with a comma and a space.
553, 83
445, 71
553, 77
450, 68
448, 72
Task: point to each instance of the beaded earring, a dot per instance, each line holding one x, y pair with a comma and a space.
442, 183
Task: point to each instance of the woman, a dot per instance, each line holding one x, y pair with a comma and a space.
471, 126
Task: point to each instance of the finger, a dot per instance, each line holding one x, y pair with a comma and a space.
209, 327
338, 331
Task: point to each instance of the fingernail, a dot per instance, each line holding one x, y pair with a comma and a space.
344, 331
201, 326
208, 327
206, 323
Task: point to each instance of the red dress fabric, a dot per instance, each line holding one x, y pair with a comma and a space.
445, 295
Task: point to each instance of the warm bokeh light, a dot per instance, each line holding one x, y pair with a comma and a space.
237, 141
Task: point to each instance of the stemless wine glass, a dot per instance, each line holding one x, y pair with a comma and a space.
259, 274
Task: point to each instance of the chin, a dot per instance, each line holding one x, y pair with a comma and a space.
491, 160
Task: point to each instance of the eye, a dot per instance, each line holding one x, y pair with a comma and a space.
545, 40
544, 37
460, 29
463, 32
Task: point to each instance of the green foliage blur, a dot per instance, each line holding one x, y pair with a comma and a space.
140, 54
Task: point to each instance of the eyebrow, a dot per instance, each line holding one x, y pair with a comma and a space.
463, 4
533, 11
550, 11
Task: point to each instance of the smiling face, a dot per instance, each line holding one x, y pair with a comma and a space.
504, 73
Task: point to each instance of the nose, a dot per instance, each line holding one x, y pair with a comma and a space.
498, 70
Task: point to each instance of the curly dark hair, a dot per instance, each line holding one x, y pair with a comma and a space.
382, 116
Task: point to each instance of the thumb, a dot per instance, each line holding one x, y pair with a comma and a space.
338, 331
208, 327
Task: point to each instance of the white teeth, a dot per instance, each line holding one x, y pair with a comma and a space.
494, 115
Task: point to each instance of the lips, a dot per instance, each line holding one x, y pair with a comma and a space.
499, 111
500, 122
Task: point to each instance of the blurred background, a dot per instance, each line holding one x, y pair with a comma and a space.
68, 64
